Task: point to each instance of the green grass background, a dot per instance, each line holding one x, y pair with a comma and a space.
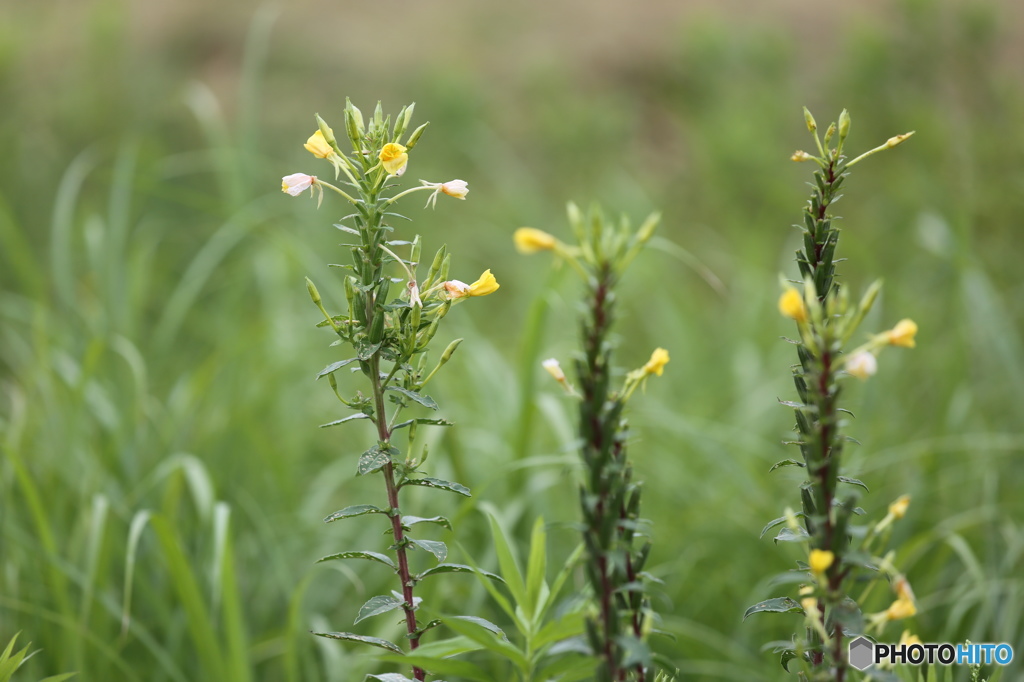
162, 478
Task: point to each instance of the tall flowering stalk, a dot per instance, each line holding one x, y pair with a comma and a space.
389, 333
613, 537
826, 322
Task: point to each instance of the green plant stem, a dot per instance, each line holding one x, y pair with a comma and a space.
372, 252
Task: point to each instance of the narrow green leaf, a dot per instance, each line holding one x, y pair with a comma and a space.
775, 605
461, 670
391, 677
775, 522
536, 564
424, 400
371, 556
786, 463
439, 520
353, 511
438, 549
450, 486
852, 481
373, 460
421, 420
378, 605
508, 565
482, 622
457, 568
335, 366
362, 639
788, 534
357, 415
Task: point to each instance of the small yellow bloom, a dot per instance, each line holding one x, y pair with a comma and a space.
656, 365
532, 240
907, 639
820, 560
900, 609
809, 603
791, 304
862, 365
317, 146
801, 156
899, 508
552, 367
903, 334
486, 284
393, 157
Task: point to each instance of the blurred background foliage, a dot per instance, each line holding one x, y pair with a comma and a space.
162, 478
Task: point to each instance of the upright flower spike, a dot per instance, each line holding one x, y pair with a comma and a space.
531, 240
393, 157
390, 341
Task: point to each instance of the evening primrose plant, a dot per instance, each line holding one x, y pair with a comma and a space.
843, 561
390, 321
614, 536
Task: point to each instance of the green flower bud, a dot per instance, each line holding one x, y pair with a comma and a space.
313, 293
844, 125
415, 137
811, 125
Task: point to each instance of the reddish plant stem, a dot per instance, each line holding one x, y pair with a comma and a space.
394, 512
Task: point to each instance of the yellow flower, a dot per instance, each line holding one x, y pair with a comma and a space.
393, 157
656, 365
899, 508
862, 365
900, 609
791, 304
902, 334
532, 240
486, 284
297, 183
317, 146
820, 560
908, 639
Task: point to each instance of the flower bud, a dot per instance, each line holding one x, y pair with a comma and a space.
898, 139
801, 156
844, 124
313, 293
811, 125
415, 137
899, 508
